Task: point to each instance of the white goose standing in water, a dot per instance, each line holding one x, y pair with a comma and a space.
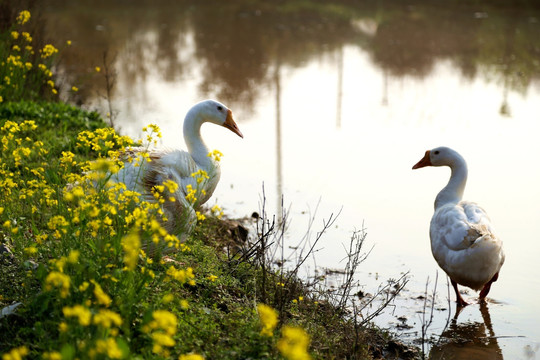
462, 238
179, 166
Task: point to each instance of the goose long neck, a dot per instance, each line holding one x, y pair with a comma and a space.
194, 142
453, 191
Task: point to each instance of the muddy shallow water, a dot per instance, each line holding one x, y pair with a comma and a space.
336, 103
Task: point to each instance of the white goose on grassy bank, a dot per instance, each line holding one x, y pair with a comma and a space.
195, 171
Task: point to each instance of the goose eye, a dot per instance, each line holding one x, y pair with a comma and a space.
220, 108
437, 152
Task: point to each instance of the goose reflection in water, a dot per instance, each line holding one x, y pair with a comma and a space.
470, 340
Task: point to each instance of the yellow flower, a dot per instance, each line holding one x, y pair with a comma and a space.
109, 347
191, 357
23, 17
27, 36
200, 216
107, 318
73, 256
63, 327
15, 35
53, 355
200, 176
212, 277
84, 286
101, 297
191, 194
74, 88
170, 185
68, 43
216, 155
165, 321
181, 276
31, 250
98, 69
131, 245
58, 280
80, 312
48, 51
269, 319
216, 210
16, 353
294, 343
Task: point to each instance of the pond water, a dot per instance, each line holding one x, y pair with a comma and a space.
336, 103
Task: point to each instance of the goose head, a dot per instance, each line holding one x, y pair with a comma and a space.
440, 156
214, 112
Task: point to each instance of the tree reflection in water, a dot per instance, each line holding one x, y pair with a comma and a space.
236, 43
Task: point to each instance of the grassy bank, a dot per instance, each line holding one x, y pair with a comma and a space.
73, 258
88, 271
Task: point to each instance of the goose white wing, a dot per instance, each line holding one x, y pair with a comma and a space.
463, 244
458, 226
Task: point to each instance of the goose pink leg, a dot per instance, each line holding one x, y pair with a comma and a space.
459, 299
487, 287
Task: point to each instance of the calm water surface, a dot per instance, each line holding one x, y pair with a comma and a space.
337, 102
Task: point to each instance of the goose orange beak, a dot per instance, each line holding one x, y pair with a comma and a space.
231, 124
425, 161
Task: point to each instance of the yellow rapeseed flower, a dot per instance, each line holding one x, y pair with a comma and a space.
80, 312
217, 211
294, 343
269, 319
101, 297
23, 17
200, 216
48, 51
73, 256
31, 250
216, 155
109, 347
165, 321
27, 36
131, 244
53, 355
16, 353
181, 275
190, 196
58, 280
200, 176
63, 327
106, 318
191, 357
